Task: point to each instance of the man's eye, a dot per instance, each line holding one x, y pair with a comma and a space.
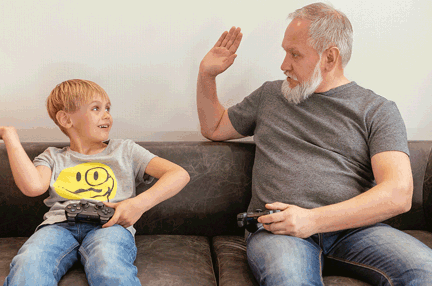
295, 55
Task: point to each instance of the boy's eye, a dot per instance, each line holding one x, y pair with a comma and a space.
95, 108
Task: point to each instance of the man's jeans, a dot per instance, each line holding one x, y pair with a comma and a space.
107, 254
379, 255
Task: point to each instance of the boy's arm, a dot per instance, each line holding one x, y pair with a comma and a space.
32, 181
172, 178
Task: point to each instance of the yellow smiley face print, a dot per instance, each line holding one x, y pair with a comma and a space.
87, 181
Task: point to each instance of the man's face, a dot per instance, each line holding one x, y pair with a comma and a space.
301, 64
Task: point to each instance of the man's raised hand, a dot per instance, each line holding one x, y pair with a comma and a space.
222, 55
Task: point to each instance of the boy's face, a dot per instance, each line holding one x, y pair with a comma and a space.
92, 121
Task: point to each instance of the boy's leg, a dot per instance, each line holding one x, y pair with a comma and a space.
108, 256
284, 260
382, 255
44, 258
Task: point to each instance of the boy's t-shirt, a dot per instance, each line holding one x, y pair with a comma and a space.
110, 176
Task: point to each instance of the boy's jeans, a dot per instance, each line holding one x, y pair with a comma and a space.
379, 254
107, 254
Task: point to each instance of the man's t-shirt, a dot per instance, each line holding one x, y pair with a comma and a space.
111, 175
318, 152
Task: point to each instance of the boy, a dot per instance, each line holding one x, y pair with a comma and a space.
92, 169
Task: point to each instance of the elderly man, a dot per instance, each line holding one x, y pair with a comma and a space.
331, 155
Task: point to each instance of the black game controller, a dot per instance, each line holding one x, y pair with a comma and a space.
85, 211
250, 219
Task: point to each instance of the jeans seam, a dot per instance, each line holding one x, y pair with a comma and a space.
321, 270
365, 266
66, 253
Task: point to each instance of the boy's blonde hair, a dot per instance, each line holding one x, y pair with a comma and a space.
70, 95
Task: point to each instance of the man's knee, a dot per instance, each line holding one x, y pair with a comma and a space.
281, 259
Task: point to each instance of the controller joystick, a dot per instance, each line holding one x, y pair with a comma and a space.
249, 220
89, 212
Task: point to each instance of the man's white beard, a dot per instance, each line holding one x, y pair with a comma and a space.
303, 90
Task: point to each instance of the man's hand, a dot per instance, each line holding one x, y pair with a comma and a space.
222, 55
292, 220
126, 213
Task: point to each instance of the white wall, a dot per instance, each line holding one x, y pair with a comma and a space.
146, 54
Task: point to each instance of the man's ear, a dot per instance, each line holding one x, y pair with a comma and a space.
331, 58
63, 119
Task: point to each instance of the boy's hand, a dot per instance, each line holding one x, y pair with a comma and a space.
126, 213
222, 55
7, 131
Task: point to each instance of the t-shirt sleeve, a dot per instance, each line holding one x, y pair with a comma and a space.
141, 157
243, 116
44, 159
387, 130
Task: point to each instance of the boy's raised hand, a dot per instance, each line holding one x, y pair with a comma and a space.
222, 55
6, 129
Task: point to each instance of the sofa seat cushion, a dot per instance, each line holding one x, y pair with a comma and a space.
161, 260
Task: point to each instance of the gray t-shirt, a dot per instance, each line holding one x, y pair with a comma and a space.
318, 152
111, 175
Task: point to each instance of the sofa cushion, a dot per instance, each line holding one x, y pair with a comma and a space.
161, 260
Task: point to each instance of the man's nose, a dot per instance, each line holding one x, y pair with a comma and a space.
286, 64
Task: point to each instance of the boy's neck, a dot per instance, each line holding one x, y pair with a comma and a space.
87, 148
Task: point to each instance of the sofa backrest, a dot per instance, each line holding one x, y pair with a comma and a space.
220, 188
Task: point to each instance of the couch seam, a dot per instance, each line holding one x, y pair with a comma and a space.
365, 266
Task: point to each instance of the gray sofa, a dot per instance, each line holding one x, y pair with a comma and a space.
193, 238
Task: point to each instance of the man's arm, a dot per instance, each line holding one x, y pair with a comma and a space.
215, 124
391, 196
32, 181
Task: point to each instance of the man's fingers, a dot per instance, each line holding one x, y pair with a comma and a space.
277, 206
271, 218
235, 40
228, 37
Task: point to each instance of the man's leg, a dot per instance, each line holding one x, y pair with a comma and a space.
108, 256
284, 260
382, 255
44, 258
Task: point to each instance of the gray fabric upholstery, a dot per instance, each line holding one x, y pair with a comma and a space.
193, 238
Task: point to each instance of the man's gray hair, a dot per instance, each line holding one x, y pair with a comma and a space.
329, 27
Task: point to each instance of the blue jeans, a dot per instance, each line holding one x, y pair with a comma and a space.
378, 254
107, 255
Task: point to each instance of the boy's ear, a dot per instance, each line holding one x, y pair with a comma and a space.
63, 119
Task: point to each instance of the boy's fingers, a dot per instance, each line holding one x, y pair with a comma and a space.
222, 37
111, 222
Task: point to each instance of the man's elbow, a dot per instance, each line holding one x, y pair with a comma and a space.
211, 135
404, 200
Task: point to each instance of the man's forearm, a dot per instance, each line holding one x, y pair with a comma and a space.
376, 205
210, 111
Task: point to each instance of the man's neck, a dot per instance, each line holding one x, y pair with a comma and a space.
331, 82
